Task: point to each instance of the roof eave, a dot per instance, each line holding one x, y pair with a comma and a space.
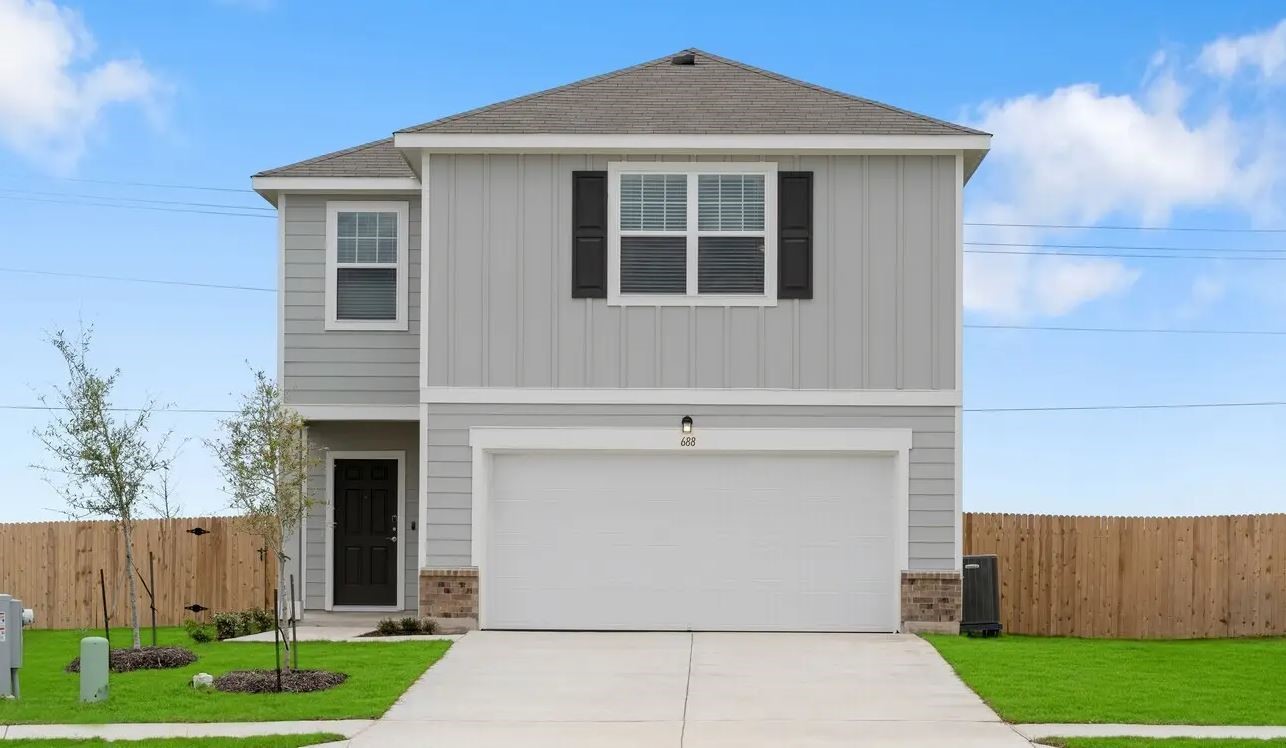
270, 187
685, 143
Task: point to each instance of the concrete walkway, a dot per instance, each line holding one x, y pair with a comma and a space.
141, 730
706, 690
1036, 732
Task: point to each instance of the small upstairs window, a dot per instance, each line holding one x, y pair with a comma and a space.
366, 265
692, 233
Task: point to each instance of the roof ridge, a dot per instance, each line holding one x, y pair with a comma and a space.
832, 91
544, 92
327, 156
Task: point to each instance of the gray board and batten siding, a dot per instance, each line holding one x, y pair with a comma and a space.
501, 313
343, 367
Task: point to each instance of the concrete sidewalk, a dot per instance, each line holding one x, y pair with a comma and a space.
141, 730
1036, 732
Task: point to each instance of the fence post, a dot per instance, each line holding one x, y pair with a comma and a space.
151, 591
107, 629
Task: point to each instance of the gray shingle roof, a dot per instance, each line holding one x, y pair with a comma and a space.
713, 96
375, 159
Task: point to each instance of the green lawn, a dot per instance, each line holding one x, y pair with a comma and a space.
262, 741
378, 672
1202, 682
1162, 743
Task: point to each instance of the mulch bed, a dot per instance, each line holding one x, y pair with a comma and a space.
265, 681
147, 658
380, 634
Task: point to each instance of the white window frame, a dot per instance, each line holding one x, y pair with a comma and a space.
333, 209
693, 169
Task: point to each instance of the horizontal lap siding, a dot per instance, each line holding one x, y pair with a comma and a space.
359, 436
932, 462
883, 316
344, 367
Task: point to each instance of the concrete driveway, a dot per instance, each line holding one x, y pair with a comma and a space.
662, 690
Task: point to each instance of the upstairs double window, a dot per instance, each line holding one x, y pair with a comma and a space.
366, 265
692, 233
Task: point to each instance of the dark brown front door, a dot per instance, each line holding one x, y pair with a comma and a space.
366, 532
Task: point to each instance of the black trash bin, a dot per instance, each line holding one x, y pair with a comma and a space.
981, 592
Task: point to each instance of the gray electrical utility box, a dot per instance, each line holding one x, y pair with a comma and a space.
12, 618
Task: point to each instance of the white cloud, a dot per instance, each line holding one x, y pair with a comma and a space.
1062, 285
1081, 155
51, 101
1016, 287
1263, 51
1206, 291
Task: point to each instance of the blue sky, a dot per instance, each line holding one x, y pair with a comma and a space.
1159, 114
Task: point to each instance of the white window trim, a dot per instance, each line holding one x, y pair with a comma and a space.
329, 529
691, 168
402, 209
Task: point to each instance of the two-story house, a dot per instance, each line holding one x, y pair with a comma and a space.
675, 347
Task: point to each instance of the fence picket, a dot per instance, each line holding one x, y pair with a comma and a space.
1137, 577
53, 568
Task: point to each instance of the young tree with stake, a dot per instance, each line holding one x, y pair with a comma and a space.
263, 455
103, 460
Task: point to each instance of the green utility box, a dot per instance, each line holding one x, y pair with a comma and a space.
93, 669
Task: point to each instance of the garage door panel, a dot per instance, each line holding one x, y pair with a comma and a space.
690, 541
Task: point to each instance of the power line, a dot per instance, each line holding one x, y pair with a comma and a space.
120, 410
135, 207
1164, 330
1127, 228
205, 188
159, 281
136, 199
974, 326
1036, 409
1159, 406
1131, 247
1275, 258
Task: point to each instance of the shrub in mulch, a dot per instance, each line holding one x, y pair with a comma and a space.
231, 624
265, 681
201, 633
147, 658
408, 626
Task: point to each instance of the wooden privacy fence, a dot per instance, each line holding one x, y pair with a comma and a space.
53, 568
1136, 577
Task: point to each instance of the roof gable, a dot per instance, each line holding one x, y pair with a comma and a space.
375, 159
711, 96
714, 95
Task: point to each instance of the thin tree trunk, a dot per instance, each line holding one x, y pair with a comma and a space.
282, 592
128, 531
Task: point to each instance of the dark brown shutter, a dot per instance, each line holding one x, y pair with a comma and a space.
795, 235
589, 235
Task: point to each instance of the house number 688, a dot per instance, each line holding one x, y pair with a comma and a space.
688, 441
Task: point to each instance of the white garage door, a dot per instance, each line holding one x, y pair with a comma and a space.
666, 541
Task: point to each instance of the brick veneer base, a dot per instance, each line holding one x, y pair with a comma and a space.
450, 595
931, 602
930, 599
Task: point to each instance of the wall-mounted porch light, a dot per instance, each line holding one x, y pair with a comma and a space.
687, 424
